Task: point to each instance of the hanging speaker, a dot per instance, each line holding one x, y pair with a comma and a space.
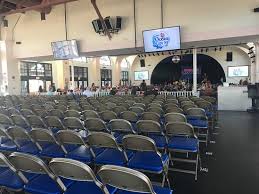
118, 23
108, 23
229, 56
142, 63
42, 16
98, 27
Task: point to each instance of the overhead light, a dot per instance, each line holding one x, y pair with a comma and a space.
42, 16
251, 48
5, 23
252, 56
220, 48
250, 52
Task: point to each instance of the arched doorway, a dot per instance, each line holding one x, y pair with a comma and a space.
167, 71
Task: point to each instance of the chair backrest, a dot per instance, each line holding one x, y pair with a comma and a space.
61, 107
90, 114
108, 115
87, 107
12, 111
174, 110
72, 113
119, 109
175, 117
179, 128
54, 122
157, 110
57, 112
95, 124
121, 125
188, 106
150, 116
41, 112
26, 112
18, 133
198, 112
73, 123
125, 179
148, 126
20, 121
139, 143
42, 135
100, 139
136, 109
5, 120
3, 133
32, 164
75, 170
36, 121
141, 105
129, 116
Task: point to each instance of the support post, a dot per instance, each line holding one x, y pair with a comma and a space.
257, 62
194, 70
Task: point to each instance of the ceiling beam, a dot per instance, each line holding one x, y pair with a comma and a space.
101, 18
45, 4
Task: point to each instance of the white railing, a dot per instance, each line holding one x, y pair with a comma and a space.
165, 93
180, 93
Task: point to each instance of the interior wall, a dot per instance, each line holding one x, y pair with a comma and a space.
199, 21
239, 58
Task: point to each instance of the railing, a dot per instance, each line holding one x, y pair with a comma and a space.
178, 93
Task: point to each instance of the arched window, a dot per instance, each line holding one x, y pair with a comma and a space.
105, 61
124, 63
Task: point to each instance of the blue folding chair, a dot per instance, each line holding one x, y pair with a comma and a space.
153, 130
128, 181
146, 156
84, 180
23, 140
198, 119
54, 123
10, 179
119, 128
6, 142
112, 153
5, 121
20, 121
182, 139
81, 151
44, 181
48, 145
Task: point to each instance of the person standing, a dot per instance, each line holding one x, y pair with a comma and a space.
40, 89
143, 86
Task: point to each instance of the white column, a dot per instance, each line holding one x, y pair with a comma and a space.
73, 75
257, 62
194, 70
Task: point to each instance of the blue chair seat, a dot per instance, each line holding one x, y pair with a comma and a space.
29, 148
55, 129
43, 184
160, 140
209, 114
148, 161
83, 154
183, 143
87, 187
55, 150
3, 169
157, 189
8, 146
11, 181
198, 123
112, 157
119, 138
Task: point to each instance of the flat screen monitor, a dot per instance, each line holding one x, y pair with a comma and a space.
66, 49
141, 75
238, 71
163, 39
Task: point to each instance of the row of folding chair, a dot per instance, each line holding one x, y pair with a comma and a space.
28, 173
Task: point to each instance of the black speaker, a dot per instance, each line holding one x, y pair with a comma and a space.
118, 23
229, 56
142, 63
108, 23
42, 16
98, 27
256, 10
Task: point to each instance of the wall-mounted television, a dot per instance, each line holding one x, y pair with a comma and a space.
238, 71
163, 39
141, 75
66, 49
